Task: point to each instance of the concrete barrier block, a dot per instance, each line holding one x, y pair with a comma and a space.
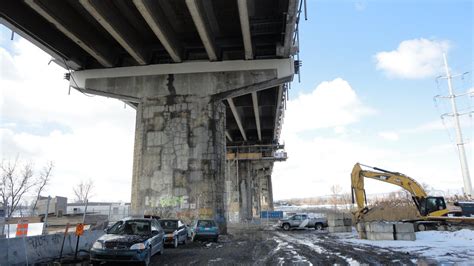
340, 229
44, 247
335, 216
406, 236
367, 227
333, 223
404, 228
3, 251
360, 227
362, 234
347, 215
347, 222
379, 236
380, 227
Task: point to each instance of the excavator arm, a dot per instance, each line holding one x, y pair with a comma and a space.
414, 188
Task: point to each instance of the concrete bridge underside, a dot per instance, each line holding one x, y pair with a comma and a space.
207, 78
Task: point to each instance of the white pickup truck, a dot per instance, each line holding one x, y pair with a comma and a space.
302, 221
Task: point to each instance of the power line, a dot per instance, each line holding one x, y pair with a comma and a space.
459, 137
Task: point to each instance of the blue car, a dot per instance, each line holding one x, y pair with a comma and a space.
204, 229
129, 240
175, 230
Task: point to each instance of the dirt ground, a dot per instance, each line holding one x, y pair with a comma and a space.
268, 246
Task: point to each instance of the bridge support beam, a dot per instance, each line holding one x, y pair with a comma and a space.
248, 189
179, 158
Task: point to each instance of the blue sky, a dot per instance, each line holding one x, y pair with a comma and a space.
341, 39
346, 109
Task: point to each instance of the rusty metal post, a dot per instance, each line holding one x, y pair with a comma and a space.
64, 239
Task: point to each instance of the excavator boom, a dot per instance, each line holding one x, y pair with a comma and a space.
436, 206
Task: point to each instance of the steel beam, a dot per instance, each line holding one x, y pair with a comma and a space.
286, 49
202, 28
257, 114
237, 117
115, 28
245, 26
60, 59
227, 134
278, 111
79, 35
154, 18
258, 86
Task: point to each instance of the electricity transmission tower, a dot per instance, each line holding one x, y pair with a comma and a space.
457, 125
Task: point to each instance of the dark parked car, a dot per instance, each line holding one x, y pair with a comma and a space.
129, 240
176, 231
205, 229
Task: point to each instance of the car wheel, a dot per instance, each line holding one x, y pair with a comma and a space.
175, 243
95, 263
318, 226
215, 239
286, 227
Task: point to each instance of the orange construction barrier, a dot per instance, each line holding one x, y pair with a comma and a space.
21, 229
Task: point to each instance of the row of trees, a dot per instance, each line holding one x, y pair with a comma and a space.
18, 181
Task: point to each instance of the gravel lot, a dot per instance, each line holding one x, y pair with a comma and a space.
268, 246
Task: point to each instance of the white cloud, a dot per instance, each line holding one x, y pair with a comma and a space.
413, 59
387, 135
86, 137
360, 5
316, 162
331, 104
315, 165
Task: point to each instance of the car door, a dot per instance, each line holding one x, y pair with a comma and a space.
180, 231
296, 220
157, 238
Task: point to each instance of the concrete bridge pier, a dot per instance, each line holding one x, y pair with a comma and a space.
180, 137
179, 158
248, 189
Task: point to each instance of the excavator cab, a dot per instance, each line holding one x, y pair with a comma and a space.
429, 205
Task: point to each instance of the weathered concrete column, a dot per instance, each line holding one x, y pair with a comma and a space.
255, 193
232, 191
179, 158
264, 206
270, 192
248, 188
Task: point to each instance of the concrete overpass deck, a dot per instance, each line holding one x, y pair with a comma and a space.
202, 74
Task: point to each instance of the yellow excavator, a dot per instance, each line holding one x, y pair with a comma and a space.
433, 210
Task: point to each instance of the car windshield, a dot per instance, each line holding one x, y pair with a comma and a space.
131, 227
169, 224
206, 223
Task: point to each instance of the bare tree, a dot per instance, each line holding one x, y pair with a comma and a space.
43, 180
335, 191
83, 190
346, 199
14, 184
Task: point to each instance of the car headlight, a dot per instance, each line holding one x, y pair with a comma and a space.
139, 246
97, 245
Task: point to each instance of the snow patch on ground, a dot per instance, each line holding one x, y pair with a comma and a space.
312, 244
442, 246
284, 246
